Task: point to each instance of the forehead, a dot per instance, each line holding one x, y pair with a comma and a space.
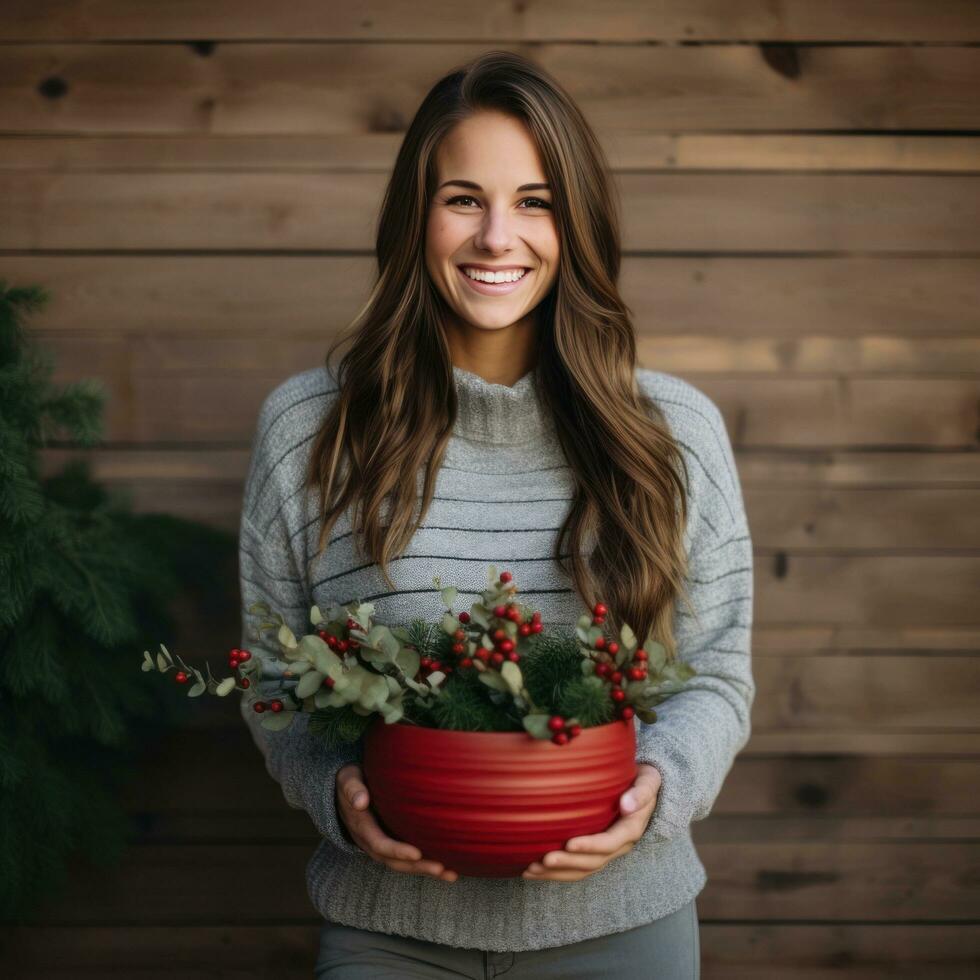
493, 149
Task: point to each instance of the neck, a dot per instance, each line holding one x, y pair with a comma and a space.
496, 413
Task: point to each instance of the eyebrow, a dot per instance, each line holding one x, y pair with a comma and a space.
472, 185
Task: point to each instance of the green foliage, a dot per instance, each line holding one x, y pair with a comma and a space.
83, 581
338, 725
587, 699
553, 661
465, 706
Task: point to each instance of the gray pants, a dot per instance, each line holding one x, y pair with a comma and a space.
668, 949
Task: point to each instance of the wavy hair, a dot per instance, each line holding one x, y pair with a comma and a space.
396, 406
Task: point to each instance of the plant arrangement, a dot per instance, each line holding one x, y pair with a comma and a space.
493, 668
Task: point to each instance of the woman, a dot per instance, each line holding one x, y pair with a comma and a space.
476, 422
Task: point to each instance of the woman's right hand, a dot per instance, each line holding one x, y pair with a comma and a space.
353, 801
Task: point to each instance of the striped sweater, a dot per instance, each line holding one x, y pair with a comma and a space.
501, 495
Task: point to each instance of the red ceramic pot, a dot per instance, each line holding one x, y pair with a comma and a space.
487, 804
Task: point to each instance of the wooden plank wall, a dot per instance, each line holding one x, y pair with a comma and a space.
197, 184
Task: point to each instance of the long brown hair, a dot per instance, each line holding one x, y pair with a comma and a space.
396, 406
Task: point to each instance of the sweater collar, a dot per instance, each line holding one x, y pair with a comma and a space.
498, 413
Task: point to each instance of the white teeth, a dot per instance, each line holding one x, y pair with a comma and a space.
484, 275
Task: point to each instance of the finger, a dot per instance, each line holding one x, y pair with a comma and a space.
352, 788
563, 861
583, 865
377, 841
605, 843
423, 867
642, 793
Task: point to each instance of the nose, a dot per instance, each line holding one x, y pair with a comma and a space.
496, 231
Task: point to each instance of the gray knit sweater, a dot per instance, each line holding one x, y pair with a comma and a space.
501, 496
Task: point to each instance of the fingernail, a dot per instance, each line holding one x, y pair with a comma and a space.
629, 802
359, 798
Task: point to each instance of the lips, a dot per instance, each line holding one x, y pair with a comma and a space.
496, 288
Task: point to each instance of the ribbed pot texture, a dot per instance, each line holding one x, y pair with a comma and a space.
487, 804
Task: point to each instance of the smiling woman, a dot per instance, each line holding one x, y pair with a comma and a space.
494, 241
489, 410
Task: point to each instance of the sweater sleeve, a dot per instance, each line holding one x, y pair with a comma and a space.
700, 729
303, 765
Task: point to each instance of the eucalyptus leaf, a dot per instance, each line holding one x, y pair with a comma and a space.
627, 637
480, 615
259, 607
537, 725
276, 722
408, 661
199, 688
286, 637
449, 594
392, 713
493, 680
435, 678
316, 617
162, 664
309, 683
449, 623
225, 687
511, 674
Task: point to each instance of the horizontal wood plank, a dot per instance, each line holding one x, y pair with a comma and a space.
676, 212
845, 314
375, 152
360, 86
633, 20
287, 951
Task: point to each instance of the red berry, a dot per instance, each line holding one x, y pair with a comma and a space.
343, 645
496, 658
524, 629
640, 655
627, 712
600, 643
575, 731
500, 611
180, 677
617, 676
636, 673
327, 682
600, 609
459, 635
464, 617
483, 654
246, 682
258, 707
536, 627
499, 634
276, 706
556, 723
617, 694
436, 665
466, 662
459, 648
506, 645
559, 738
613, 648
513, 656
505, 576
425, 662
602, 670
536, 616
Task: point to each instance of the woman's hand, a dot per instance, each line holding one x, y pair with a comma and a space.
353, 800
586, 855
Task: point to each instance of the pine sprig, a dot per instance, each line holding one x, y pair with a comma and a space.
339, 725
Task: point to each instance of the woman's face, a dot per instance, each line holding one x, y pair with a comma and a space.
483, 216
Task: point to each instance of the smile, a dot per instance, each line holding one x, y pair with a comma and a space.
494, 288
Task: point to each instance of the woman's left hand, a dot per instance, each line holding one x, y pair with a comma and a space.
586, 855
